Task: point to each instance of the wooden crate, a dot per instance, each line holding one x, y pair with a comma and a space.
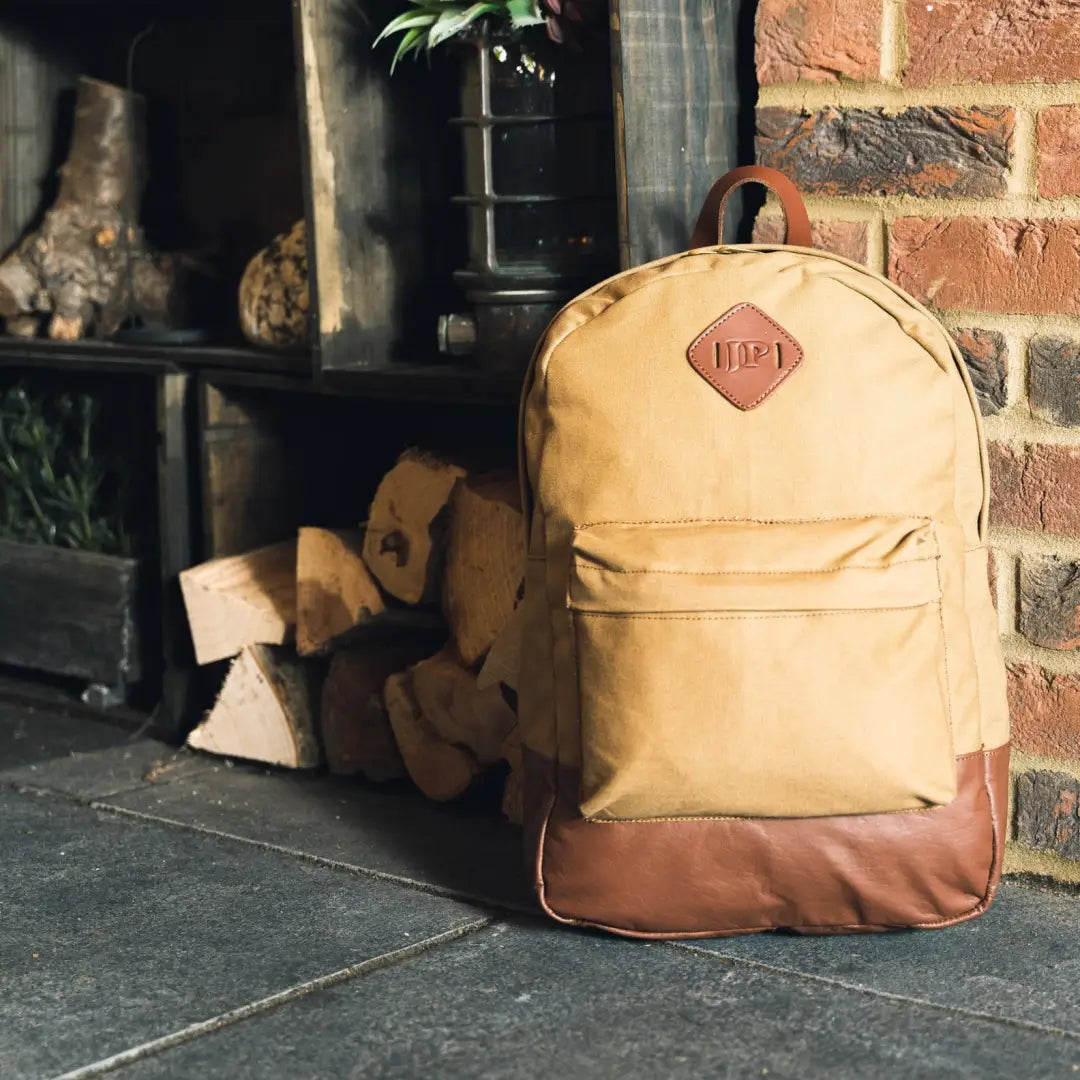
69, 612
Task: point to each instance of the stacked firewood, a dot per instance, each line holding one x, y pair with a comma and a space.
385, 651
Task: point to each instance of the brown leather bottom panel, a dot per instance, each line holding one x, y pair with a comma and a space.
704, 878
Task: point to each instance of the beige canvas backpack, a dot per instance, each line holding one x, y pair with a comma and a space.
761, 682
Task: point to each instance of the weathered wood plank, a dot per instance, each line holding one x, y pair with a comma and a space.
375, 191
248, 497
69, 612
676, 102
32, 79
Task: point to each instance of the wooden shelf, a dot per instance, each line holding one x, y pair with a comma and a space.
400, 382
146, 359
290, 372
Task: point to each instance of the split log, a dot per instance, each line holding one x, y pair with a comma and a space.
439, 769
405, 541
241, 600
503, 661
335, 591
485, 562
88, 266
263, 712
447, 695
355, 729
274, 304
514, 792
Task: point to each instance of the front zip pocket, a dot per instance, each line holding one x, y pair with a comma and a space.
778, 669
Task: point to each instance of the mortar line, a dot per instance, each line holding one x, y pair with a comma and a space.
1005, 578
267, 1004
892, 97
1024, 153
1007, 205
1017, 649
1010, 322
1015, 425
869, 991
893, 40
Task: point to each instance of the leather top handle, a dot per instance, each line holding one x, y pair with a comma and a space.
710, 224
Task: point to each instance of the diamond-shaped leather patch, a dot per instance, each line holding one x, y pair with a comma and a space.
745, 355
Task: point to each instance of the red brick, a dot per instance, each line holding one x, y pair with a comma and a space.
1046, 812
964, 41
1045, 711
847, 238
924, 150
818, 40
989, 264
1009, 503
1058, 134
1054, 379
987, 359
1036, 488
1048, 601
992, 576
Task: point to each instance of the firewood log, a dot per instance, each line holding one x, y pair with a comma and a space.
88, 266
355, 729
263, 711
241, 600
405, 539
485, 562
439, 769
335, 590
450, 702
503, 661
513, 793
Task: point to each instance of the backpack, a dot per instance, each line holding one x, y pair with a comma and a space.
761, 684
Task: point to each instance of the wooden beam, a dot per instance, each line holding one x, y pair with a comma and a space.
378, 185
674, 75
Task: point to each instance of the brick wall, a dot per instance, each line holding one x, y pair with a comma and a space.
939, 142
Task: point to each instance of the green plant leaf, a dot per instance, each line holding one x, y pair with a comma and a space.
412, 42
483, 8
525, 12
450, 24
407, 20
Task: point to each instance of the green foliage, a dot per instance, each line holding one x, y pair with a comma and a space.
431, 22
54, 488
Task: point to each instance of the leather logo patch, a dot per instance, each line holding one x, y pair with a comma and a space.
745, 355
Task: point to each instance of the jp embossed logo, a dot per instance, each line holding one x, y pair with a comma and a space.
745, 355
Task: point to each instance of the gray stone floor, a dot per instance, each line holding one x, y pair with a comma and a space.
167, 915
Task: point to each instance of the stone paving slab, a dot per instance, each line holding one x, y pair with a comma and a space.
113, 932
29, 736
525, 1000
1020, 961
95, 774
388, 829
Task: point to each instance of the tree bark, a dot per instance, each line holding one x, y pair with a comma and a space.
88, 266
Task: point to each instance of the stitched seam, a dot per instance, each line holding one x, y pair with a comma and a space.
977, 909
758, 817
894, 514
578, 565
995, 841
751, 614
945, 654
